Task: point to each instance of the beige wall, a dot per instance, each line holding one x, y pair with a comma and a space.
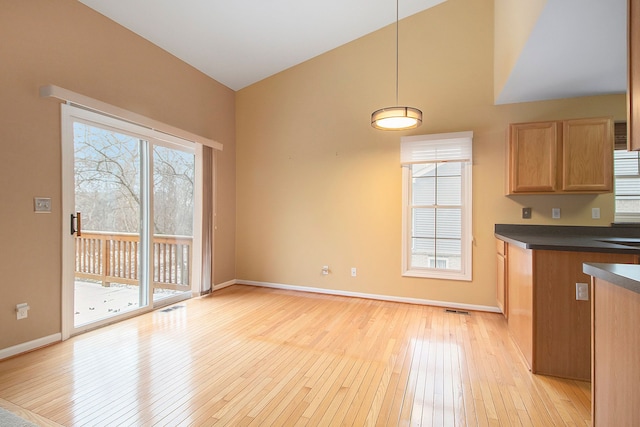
316, 185
513, 23
62, 42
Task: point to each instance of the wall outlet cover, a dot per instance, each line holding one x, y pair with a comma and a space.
582, 291
22, 311
526, 213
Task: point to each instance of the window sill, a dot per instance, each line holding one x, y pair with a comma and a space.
630, 224
437, 274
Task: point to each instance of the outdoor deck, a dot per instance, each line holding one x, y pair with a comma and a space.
94, 301
107, 272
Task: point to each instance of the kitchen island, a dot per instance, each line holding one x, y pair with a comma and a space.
543, 279
615, 305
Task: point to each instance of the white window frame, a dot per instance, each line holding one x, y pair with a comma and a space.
626, 217
438, 148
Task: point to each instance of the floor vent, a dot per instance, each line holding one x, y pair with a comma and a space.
450, 310
168, 309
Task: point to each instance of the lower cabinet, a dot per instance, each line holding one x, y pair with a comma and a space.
616, 355
552, 328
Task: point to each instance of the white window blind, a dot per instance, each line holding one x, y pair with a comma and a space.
627, 185
442, 147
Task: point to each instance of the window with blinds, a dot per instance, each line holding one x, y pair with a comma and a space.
626, 169
626, 166
437, 205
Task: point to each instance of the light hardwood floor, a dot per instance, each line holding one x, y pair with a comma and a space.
255, 356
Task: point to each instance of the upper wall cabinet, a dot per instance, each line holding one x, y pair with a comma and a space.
633, 91
533, 157
561, 157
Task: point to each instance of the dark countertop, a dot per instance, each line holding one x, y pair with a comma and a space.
623, 275
572, 238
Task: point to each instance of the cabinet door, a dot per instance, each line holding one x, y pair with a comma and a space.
533, 149
520, 294
501, 285
562, 342
633, 92
587, 155
501, 279
616, 342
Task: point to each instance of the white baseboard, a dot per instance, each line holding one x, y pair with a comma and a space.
418, 301
28, 346
223, 285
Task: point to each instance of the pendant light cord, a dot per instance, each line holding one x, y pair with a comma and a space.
397, 48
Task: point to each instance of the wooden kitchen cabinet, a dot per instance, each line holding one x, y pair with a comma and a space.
520, 300
633, 76
533, 157
616, 355
551, 328
501, 279
561, 157
587, 155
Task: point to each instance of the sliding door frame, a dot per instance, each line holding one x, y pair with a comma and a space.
69, 114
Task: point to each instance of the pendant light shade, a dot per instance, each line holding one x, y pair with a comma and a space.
396, 118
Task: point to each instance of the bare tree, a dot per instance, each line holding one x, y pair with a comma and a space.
108, 176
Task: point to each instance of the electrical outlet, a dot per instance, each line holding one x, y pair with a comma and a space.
555, 213
526, 213
325, 270
22, 311
354, 272
595, 213
582, 291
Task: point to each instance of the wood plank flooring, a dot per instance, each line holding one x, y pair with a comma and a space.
247, 356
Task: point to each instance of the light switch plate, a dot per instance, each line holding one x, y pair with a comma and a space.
526, 213
42, 204
555, 213
595, 213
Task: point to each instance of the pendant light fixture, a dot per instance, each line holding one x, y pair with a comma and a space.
396, 118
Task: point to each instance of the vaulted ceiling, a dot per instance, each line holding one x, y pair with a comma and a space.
576, 48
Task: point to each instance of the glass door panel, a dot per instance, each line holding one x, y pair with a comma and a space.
173, 225
109, 194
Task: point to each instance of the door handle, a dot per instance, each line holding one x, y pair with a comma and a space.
76, 224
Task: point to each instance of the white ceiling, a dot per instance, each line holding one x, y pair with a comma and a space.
577, 48
239, 42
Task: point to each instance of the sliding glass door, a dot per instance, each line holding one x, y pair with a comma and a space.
110, 199
131, 203
173, 213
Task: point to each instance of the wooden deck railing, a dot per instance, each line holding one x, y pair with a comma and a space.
114, 257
